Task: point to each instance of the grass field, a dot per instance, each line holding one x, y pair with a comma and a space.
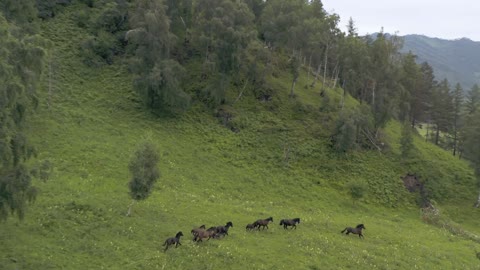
90, 122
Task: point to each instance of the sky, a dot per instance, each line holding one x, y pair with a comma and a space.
434, 18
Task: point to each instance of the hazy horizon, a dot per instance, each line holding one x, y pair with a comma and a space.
430, 18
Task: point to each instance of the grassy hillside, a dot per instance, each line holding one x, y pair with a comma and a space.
90, 122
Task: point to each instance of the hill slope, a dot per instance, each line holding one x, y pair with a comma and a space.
90, 122
456, 60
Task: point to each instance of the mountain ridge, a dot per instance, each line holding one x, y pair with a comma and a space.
457, 60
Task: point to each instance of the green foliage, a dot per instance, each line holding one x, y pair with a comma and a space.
49, 8
159, 77
21, 60
344, 134
406, 142
211, 175
22, 12
357, 190
144, 169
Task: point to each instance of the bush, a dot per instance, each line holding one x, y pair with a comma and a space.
357, 190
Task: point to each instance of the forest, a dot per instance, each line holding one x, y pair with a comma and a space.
241, 83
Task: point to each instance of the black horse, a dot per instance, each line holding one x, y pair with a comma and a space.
173, 240
250, 227
263, 223
356, 230
223, 229
290, 222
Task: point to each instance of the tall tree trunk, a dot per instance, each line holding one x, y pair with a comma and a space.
336, 71
325, 68
129, 212
477, 204
241, 93
428, 129
343, 96
293, 86
373, 93
437, 135
316, 76
455, 142
309, 67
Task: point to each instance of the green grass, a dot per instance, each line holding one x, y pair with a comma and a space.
211, 175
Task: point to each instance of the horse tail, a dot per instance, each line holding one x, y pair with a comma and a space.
343, 230
164, 243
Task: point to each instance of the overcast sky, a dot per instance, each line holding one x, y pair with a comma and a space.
433, 18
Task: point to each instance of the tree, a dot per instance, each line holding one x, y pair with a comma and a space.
357, 190
159, 77
21, 12
406, 142
421, 99
472, 101
457, 103
409, 81
472, 145
442, 108
21, 62
223, 29
294, 67
144, 169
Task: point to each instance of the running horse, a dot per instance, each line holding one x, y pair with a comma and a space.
356, 230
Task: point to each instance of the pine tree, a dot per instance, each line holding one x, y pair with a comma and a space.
457, 102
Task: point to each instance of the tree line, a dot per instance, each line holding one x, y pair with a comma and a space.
227, 46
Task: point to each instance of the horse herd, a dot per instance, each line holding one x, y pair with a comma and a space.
200, 233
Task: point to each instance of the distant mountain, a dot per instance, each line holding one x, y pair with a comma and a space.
457, 60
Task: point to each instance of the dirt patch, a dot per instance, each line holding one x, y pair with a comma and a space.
412, 183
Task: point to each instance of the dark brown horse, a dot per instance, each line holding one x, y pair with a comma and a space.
250, 227
202, 234
173, 240
194, 231
356, 230
290, 222
263, 223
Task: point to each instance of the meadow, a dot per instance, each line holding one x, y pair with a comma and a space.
89, 123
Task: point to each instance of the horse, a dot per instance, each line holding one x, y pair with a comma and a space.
250, 227
173, 240
195, 230
223, 229
263, 223
356, 230
202, 234
290, 222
